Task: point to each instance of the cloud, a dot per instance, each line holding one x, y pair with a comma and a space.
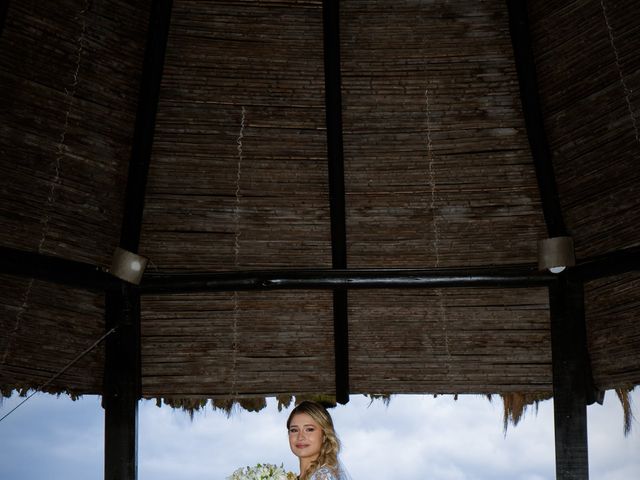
48, 435
415, 437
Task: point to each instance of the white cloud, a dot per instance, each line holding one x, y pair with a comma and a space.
416, 437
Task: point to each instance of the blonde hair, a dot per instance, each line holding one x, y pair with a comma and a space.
330, 443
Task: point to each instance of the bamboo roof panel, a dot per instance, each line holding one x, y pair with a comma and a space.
67, 110
449, 340
237, 343
239, 174
45, 327
613, 330
591, 111
438, 173
428, 183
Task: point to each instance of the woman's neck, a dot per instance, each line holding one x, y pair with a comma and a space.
305, 463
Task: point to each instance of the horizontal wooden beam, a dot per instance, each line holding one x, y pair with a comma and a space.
506, 276
54, 269
91, 277
609, 264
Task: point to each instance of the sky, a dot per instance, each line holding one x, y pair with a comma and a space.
414, 437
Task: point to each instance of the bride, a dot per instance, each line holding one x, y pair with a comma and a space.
313, 440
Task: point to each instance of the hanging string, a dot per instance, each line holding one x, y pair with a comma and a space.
236, 210
16, 325
61, 149
64, 369
432, 183
627, 90
236, 258
435, 226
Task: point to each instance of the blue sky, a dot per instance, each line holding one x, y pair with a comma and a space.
414, 437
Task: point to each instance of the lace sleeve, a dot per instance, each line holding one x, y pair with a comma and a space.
323, 473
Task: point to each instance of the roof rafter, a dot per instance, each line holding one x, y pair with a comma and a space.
534, 120
610, 264
333, 111
152, 68
4, 7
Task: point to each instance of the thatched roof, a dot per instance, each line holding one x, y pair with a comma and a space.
439, 177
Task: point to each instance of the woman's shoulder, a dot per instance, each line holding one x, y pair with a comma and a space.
324, 473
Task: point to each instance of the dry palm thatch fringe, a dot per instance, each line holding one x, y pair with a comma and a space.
625, 400
189, 405
284, 401
23, 392
385, 397
515, 405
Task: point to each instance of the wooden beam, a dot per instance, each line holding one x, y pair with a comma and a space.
610, 264
54, 269
341, 344
91, 277
145, 123
4, 8
534, 120
122, 383
572, 380
333, 111
510, 276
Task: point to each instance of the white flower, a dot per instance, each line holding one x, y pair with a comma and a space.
262, 471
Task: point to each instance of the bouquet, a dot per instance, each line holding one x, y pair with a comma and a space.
262, 471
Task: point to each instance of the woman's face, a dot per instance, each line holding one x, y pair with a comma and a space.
305, 436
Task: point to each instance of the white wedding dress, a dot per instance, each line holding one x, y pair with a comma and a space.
327, 473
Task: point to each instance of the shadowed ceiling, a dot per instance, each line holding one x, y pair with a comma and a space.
439, 175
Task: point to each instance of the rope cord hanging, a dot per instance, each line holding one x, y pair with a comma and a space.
64, 369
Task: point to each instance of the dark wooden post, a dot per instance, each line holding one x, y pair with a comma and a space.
122, 387
572, 387
572, 380
122, 377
